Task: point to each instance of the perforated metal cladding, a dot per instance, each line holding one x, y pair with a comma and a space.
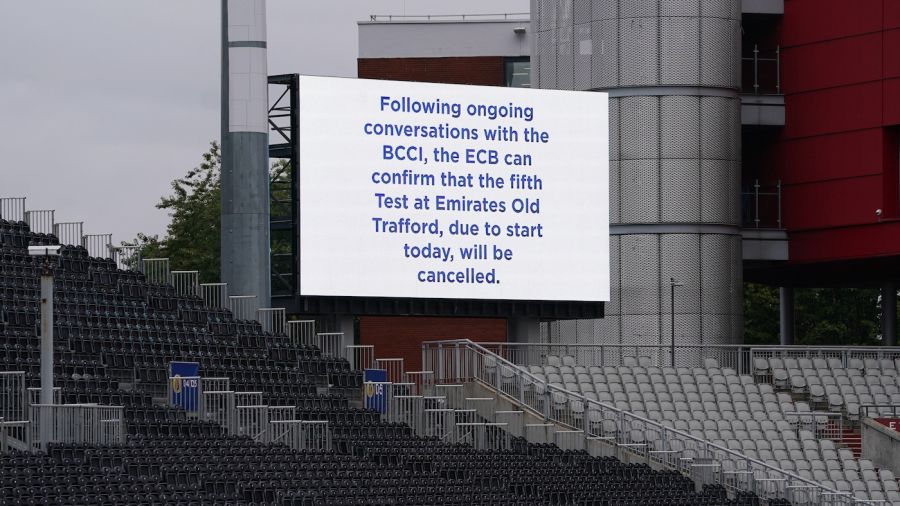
639, 127
720, 128
605, 60
728, 9
546, 49
680, 60
679, 8
582, 12
565, 16
639, 52
565, 67
640, 274
614, 307
614, 192
639, 200
584, 48
604, 9
547, 15
680, 191
680, 127
674, 159
720, 53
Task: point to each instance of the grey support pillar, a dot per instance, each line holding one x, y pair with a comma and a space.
245, 258
786, 315
672, 68
346, 324
889, 313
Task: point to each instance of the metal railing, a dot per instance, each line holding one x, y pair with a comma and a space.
360, 356
87, 424
762, 72
98, 245
215, 295
879, 411
12, 208
301, 434
14, 402
41, 221
511, 16
272, 320
740, 358
69, 232
761, 206
394, 368
302, 332
600, 423
127, 256
186, 282
243, 307
330, 343
156, 270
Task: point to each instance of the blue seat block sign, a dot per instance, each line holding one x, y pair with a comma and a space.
373, 387
185, 378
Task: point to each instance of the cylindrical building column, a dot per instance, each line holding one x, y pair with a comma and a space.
889, 313
245, 259
786, 315
46, 412
672, 68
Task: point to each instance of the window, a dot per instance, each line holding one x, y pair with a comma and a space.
518, 72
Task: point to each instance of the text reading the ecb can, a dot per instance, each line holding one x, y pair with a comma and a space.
460, 180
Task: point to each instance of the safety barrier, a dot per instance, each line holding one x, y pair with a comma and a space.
330, 343
41, 221
597, 423
215, 295
301, 434
12, 208
34, 395
272, 320
741, 358
97, 245
394, 368
482, 436
243, 307
14, 402
302, 332
69, 232
127, 256
186, 282
422, 381
360, 356
156, 270
87, 424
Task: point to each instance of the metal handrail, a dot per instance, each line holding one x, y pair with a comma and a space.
864, 410
453, 348
756, 59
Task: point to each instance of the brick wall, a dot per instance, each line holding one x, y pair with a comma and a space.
481, 70
402, 336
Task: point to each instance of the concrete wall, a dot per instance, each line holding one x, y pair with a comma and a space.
881, 445
430, 39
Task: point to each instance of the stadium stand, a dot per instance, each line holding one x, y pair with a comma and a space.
116, 333
776, 415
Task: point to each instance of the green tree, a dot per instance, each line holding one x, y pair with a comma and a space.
191, 242
192, 238
822, 316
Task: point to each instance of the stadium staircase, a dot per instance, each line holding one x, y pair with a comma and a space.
274, 417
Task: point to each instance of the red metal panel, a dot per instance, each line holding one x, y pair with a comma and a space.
825, 157
833, 110
808, 21
892, 52
892, 102
835, 63
832, 203
891, 14
874, 240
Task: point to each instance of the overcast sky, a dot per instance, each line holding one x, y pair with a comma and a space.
104, 102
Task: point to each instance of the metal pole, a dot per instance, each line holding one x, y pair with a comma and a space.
46, 352
889, 313
786, 304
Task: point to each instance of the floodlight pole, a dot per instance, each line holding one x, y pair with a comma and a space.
46, 419
673, 285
